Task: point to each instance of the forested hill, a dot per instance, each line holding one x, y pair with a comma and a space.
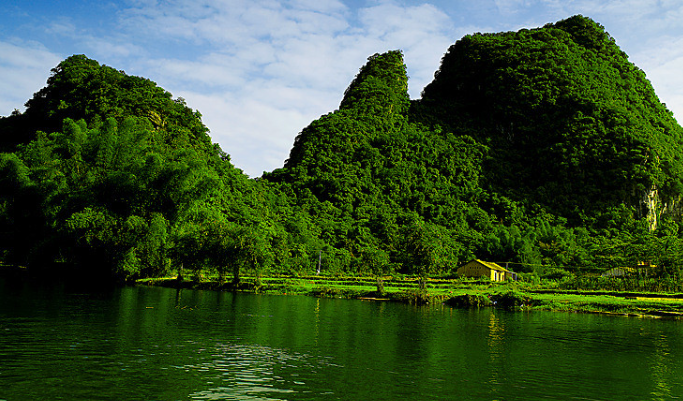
107, 171
545, 148
571, 123
80, 88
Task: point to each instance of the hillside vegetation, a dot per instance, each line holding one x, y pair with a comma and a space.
543, 148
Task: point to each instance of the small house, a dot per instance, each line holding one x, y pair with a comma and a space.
479, 268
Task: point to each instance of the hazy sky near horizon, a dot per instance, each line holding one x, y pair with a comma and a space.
259, 71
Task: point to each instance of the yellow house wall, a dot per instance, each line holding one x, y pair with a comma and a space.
476, 270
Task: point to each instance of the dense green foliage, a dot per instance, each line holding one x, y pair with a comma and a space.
132, 186
543, 148
571, 123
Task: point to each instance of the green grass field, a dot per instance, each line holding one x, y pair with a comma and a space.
456, 292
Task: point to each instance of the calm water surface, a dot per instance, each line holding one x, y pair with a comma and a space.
140, 343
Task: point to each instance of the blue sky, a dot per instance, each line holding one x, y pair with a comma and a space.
259, 71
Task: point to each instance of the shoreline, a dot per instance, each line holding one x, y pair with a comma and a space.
456, 294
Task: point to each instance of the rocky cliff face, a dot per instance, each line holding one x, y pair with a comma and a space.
654, 208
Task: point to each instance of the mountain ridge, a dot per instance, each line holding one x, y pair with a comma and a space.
545, 148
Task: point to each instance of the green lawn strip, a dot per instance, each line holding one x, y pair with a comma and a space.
613, 303
457, 293
630, 294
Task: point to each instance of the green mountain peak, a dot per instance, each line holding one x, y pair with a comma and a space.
571, 123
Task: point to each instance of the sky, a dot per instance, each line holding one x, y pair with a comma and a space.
259, 71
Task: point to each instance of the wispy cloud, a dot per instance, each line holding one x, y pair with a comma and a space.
261, 70
268, 68
24, 67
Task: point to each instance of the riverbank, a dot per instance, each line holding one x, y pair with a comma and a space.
458, 293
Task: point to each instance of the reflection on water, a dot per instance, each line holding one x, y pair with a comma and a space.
496, 338
160, 344
317, 320
249, 372
660, 369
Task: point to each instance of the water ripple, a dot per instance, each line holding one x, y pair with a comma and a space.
250, 372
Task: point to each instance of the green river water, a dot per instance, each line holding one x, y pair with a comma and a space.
139, 343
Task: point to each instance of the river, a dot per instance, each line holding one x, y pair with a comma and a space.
142, 343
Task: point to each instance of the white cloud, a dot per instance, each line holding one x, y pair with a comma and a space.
24, 67
229, 23
326, 7
423, 32
62, 27
512, 6
101, 48
261, 70
268, 68
261, 131
663, 63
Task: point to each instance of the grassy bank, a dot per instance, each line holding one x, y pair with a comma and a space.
461, 293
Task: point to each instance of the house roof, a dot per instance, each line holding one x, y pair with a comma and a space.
490, 265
